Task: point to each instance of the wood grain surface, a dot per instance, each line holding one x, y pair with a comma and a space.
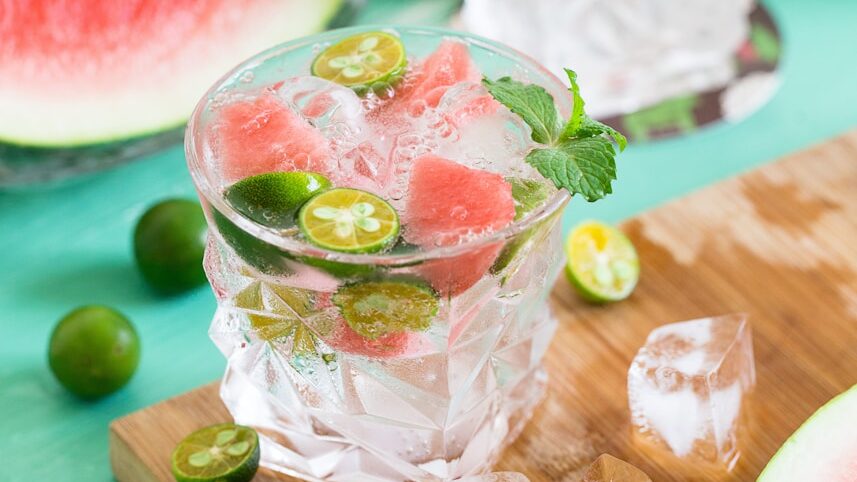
779, 243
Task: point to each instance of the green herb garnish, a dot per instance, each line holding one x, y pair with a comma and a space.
578, 155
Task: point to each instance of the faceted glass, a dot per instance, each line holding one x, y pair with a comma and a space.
433, 404
688, 387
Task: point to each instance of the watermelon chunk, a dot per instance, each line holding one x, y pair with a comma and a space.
448, 202
448, 65
84, 72
264, 135
824, 448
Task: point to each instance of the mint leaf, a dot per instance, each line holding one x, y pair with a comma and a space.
581, 125
577, 113
532, 103
578, 156
592, 128
582, 166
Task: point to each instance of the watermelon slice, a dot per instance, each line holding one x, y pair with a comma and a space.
80, 76
447, 203
264, 135
448, 65
822, 449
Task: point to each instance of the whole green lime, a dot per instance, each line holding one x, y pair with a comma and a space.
94, 350
169, 245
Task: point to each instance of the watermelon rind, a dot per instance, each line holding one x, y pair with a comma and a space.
825, 443
22, 165
30, 154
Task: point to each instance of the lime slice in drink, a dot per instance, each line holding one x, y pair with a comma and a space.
225, 452
349, 220
377, 308
602, 262
276, 312
272, 199
368, 60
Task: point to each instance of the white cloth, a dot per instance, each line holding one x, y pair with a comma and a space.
628, 53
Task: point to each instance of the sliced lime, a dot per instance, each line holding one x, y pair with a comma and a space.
602, 262
272, 199
277, 313
349, 220
368, 60
528, 194
219, 453
377, 308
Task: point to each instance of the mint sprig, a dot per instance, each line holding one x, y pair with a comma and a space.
578, 155
532, 103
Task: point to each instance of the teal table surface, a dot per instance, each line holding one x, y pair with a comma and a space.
69, 245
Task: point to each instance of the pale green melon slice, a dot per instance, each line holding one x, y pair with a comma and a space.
823, 449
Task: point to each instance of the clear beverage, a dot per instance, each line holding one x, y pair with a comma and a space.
398, 401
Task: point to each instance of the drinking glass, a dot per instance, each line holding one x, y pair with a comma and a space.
437, 404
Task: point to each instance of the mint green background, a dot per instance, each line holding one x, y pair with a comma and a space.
70, 245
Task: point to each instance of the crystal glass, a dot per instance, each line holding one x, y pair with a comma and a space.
439, 404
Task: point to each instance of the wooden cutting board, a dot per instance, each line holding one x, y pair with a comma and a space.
779, 243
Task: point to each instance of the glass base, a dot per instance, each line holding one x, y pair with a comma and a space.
386, 425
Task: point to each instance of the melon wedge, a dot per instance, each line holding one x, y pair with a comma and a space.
87, 72
823, 449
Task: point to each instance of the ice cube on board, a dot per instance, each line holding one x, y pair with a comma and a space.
688, 387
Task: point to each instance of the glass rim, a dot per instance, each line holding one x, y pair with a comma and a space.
214, 197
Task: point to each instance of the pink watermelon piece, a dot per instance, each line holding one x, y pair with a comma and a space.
448, 65
103, 71
264, 135
347, 340
448, 202
455, 275
478, 107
